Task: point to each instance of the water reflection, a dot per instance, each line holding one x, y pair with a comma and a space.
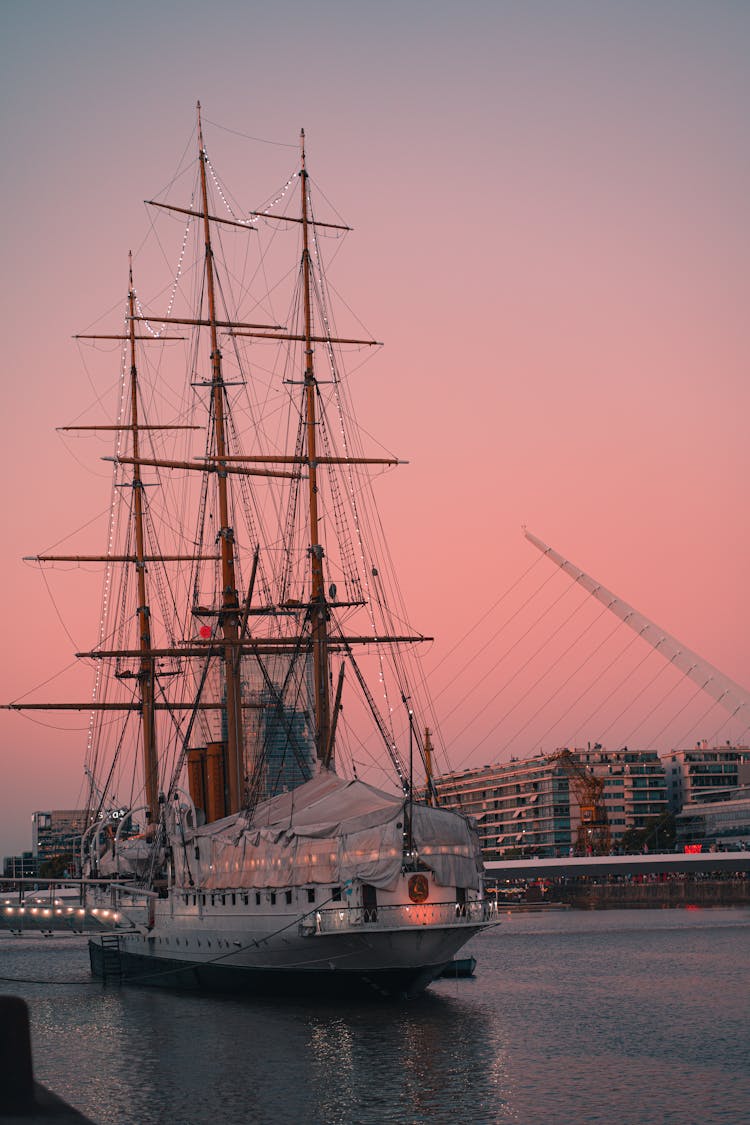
427, 1061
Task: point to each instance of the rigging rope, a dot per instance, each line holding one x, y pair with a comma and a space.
539, 678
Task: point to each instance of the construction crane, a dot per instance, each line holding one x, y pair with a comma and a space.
593, 831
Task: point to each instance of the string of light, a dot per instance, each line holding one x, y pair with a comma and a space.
173, 294
254, 219
350, 475
58, 911
110, 541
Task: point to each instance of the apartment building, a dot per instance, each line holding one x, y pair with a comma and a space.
691, 773
537, 806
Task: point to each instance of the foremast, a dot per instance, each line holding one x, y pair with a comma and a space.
318, 606
146, 676
143, 613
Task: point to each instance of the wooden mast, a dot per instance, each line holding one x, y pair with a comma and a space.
429, 786
318, 606
143, 613
234, 761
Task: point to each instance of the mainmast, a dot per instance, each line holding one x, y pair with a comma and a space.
318, 606
229, 613
146, 668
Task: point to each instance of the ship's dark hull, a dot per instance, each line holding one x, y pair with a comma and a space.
132, 968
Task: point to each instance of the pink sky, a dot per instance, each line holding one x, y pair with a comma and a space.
549, 203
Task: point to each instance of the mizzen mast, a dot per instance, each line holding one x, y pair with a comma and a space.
229, 613
318, 606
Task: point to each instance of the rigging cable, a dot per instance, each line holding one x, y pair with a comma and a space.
548, 609
539, 679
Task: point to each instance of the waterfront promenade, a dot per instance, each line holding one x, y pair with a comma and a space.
600, 882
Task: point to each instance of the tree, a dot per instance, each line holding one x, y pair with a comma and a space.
658, 834
57, 866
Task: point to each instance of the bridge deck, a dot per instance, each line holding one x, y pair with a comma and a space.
656, 863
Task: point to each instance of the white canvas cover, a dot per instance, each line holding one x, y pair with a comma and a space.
328, 830
134, 857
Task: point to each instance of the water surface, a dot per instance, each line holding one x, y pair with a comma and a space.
632, 1017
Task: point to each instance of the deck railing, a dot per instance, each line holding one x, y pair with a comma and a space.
332, 919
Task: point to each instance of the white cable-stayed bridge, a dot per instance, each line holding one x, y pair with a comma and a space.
561, 660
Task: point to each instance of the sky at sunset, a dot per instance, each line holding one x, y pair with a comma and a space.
551, 236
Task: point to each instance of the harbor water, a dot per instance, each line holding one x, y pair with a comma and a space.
624, 1017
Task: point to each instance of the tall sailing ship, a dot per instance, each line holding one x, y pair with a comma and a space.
247, 601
